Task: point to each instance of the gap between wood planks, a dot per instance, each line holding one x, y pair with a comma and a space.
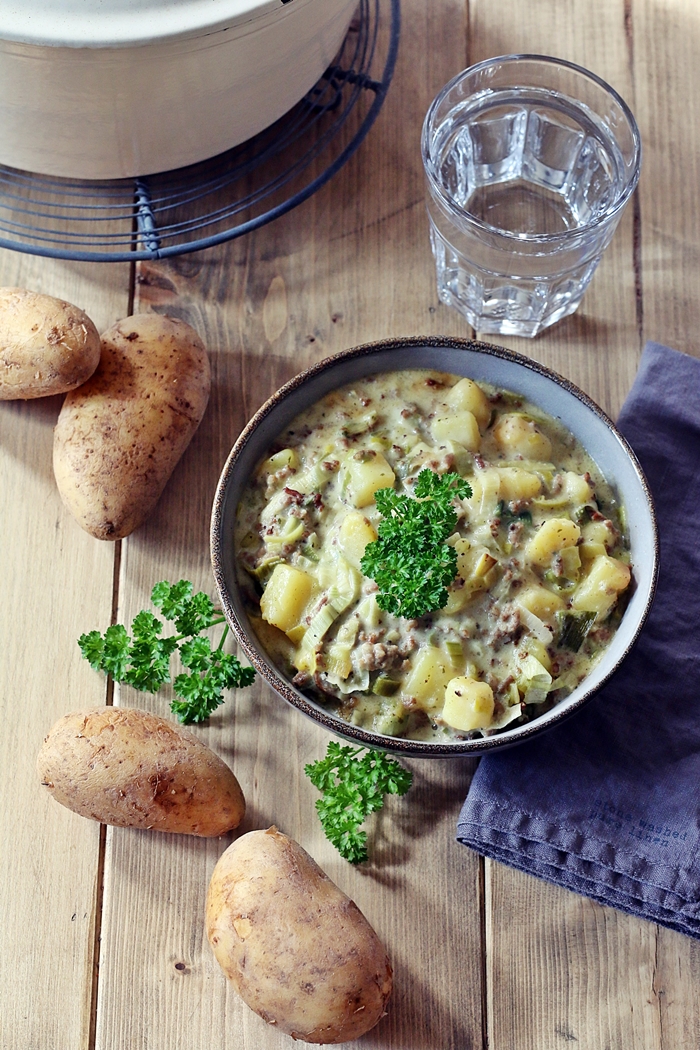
482, 860
109, 702
102, 848
484, 968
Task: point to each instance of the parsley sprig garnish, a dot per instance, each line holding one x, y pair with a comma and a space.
410, 560
354, 781
143, 660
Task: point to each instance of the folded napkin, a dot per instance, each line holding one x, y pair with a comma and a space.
608, 803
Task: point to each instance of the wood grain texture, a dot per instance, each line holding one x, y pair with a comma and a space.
484, 956
56, 582
562, 970
598, 347
351, 265
666, 39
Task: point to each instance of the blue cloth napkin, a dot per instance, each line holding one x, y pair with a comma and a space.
608, 803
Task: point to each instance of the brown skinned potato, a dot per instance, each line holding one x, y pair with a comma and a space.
47, 346
131, 769
297, 950
119, 437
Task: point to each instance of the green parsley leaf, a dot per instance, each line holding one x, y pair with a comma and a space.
235, 676
115, 655
92, 647
200, 695
144, 661
191, 613
409, 560
353, 782
171, 598
196, 654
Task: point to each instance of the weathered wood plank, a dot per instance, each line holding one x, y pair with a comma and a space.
598, 347
665, 36
56, 582
560, 968
351, 265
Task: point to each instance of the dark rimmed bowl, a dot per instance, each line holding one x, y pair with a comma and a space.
479, 361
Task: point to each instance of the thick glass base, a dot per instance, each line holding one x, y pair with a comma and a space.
506, 305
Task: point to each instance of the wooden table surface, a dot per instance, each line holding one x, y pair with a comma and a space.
102, 940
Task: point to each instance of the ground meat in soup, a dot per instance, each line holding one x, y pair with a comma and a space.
542, 557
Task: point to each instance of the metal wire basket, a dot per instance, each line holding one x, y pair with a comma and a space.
181, 211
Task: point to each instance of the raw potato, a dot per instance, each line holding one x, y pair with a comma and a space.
47, 346
120, 436
298, 951
131, 769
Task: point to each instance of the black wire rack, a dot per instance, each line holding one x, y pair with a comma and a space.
156, 216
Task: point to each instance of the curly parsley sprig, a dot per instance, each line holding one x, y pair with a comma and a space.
143, 661
409, 560
353, 782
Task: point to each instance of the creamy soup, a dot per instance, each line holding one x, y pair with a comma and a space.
542, 557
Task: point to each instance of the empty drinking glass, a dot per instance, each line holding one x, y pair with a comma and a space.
529, 162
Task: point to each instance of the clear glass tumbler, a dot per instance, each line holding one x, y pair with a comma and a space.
529, 162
